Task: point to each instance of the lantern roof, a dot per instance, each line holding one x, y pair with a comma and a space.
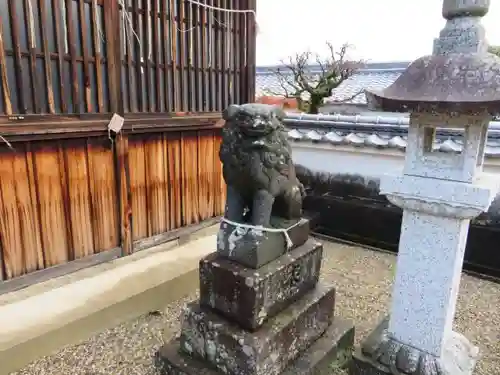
460, 77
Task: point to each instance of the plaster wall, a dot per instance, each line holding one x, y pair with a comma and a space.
367, 162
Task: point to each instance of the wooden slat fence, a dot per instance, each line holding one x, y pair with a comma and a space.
61, 201
175, 180
58, 203
53, 57
130, 56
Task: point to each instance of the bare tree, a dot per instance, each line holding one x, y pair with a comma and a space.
310, 89
494, 50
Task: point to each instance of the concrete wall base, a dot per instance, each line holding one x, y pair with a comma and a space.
41, 319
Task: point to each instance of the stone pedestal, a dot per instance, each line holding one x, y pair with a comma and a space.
271, 320
254, 248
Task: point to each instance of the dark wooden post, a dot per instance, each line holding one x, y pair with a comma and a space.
120, 144
113, 55
252, 46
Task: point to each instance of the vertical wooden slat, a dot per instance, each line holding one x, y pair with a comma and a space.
9, 220
226, 53
166, 181
191, 52
212, 160
174, 53
3, 73
50, 195
146, 21
252, 42
198, 55
125, 194
96, 21
157, 185
211, 46
103, 194
32, 255
84, 31
112, 29
138, 189
121, 60
231, 54
61, 51
138, 57
219, 55
204, 47
219, 186
46, 58
201, 175
30, 33
243, 56
157, 58
63, 180
132, 87
19, 225
166, 33
72, 52
35, 227
175, 179
237, 46
205, 174
21, 92
26, 206
186, 203
78, 195
183, 76
189, 156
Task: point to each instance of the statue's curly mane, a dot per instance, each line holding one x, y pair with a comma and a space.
236, 149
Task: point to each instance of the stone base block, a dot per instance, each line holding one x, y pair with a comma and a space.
332, 350
249, 297
254, 248
233, 350
380, 354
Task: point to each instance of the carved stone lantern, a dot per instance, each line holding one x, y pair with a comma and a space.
457, 87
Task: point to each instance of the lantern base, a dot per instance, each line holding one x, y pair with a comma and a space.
381, 354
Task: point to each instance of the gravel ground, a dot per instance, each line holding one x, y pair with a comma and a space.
363, 280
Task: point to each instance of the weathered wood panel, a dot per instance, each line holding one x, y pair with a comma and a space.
95, 56
79, 198
51, 57
174, 180
19, 224
138, 187
190, 177
58, 203
218, 180
174, 177
104, 202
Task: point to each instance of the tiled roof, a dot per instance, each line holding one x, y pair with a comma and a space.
360, 82
373, 76
376, 132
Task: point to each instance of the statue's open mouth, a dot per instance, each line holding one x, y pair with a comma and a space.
256, 131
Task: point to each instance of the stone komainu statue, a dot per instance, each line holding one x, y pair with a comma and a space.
258, 167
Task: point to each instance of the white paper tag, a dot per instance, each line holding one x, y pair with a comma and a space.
116, 123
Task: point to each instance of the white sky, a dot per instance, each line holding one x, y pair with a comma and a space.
379, 30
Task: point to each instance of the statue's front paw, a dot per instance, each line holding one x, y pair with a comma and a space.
302, 190
275, 187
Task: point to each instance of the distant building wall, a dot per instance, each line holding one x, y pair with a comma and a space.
288, 104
